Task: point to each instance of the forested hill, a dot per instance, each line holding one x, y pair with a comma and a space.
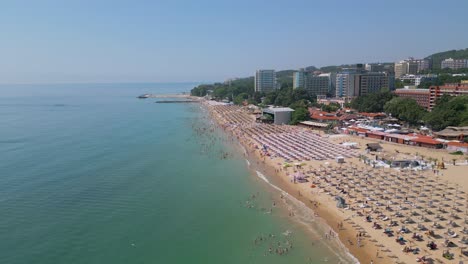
437, 58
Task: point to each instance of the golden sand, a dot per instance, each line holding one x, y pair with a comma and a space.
386, 195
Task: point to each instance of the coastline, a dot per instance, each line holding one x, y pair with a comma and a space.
370, 192
323, 213
279, 180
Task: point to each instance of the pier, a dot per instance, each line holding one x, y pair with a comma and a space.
177, 101
144, 96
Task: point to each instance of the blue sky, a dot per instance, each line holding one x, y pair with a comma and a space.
208, 40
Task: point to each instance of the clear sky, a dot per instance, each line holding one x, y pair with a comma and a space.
211, 40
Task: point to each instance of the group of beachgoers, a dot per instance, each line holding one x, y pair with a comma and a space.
399, 203
276, 245
290, 143
209, 138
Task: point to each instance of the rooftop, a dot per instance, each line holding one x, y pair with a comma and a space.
453, 131
277, 109
410, 90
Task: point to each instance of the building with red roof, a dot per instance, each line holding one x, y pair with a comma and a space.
322, 116
457, 146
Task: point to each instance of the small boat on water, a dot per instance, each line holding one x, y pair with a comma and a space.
144, 96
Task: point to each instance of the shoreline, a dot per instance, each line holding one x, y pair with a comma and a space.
277, 181
362, 240
268, 176
320, 213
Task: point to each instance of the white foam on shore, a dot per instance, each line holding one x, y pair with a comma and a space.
248, 162
307, 216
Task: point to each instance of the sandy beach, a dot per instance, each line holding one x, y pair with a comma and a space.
385, 215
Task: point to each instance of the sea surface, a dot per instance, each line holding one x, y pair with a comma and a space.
91, 174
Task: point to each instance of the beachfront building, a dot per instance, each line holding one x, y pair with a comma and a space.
265, 81
351, 83
321, 84
346, 83
453, 133
416, 79
407, 139
454, 64
299, 78
421, 96
457, 146
281, 115
452, 89
318, 84
372, 82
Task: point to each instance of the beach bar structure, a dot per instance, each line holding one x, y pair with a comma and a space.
453, 133
281, 115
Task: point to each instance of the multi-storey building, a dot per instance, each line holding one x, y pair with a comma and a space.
424, 64
346, 83
401, 68
411, 66
352, 83
421, 96
265, 81
318, 84
372, 82
427, 98
417, 79
321, 84
375, 67
454, 64
299, 79
452, 89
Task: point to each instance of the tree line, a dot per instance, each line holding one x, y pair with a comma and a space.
449, 111
242, 90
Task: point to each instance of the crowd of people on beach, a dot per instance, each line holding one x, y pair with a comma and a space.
416, 210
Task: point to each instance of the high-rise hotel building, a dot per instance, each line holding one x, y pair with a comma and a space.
265, 81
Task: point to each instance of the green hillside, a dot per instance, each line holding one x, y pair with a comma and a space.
454, 54
334, 68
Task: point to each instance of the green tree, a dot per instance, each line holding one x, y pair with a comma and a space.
405, 109
372, 103
300, 94
449, 111
240, 98
300, 114
332, 107
270, 98
220, 92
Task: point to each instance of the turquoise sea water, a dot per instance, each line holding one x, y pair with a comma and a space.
90, 174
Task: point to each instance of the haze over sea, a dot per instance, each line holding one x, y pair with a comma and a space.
90, 174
